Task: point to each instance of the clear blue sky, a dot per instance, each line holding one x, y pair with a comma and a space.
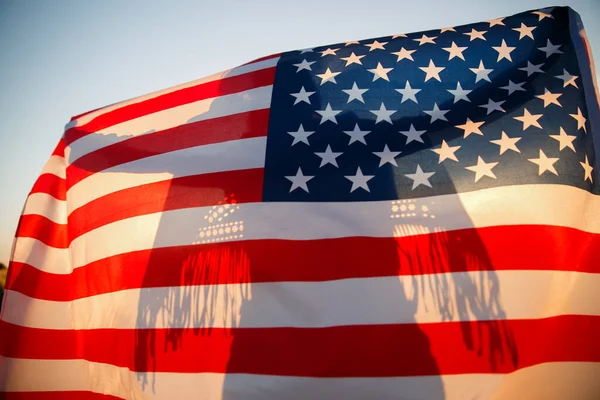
60, 58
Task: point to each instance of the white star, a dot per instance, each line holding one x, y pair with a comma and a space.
474, 34
357, 135
532, 69
459, 93
387, 156
529, 119
383, 114
564, 140
398, 35
328, 76
482, 169
514, 87
448, 29
403, 53
308, 50
481, 72
542, 15
302, 96
549, 98
504, 51
446, 152
436, 113
494, 22
492, 106
329, 51
455, 51
544, 163
300, 136
299, 180
408, 93
352, 42
352, 59
568, 79
580, 120
380, 72
328, 114
359, 180
550, 49
355, 93
507, 143
587, 169
328, 157
376, 46
413, 135
425, 39
432, 71
420, 177
525, 31
304, 65
471, 127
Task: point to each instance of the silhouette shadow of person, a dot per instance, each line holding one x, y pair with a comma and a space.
249, 308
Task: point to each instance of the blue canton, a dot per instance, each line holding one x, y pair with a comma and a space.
459, 109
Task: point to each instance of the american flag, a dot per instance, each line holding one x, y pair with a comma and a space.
414, 216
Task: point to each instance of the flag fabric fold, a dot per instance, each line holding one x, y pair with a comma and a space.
413, 216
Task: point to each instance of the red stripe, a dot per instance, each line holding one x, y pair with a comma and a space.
180, 97
239, 126
73, 118
52, 185
241, 186
99, 108
46, 231
342, 351
62, 395
59, 150
531, 248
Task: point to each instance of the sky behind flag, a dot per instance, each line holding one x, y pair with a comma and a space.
63, 58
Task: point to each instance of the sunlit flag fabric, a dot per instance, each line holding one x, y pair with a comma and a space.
414, 216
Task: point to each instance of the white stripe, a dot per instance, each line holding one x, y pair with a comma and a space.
430, 298
553, 205
218, 157
244, 69
41, 256
250, 100
558, 205
47, 206
560, 380
56, 165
